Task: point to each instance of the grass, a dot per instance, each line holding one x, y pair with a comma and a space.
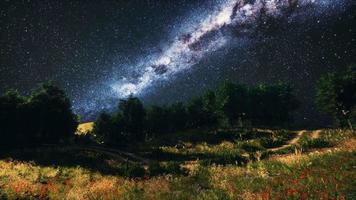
329, 174
327, 138
85, 128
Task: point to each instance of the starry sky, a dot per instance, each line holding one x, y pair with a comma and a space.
167, 50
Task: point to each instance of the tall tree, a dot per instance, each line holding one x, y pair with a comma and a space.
52, 117
232, 102
12, 127
336, 95
133, 114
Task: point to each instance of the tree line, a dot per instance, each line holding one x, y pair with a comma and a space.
45, 116
336, 96
230, 105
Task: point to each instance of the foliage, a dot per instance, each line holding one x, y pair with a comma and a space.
230, 105
43, 117
125, 127
133, 118
336, 95
231, 102
271, 105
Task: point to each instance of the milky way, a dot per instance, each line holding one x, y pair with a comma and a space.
165, 51
232, 18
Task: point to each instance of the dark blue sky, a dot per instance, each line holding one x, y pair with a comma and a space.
84, 46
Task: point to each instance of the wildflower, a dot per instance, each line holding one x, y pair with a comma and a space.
265, 196
325, 194
302, 176
291, 192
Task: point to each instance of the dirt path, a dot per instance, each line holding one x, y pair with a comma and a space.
114, 153
290, 142
347, 146
117, 152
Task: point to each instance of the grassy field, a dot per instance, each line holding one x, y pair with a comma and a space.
319, 165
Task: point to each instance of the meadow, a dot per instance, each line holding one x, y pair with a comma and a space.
236, 164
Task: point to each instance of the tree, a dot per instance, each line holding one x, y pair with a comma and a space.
196, 114
11, 118
44, 117
177, 117
209, 106
271, 104
157, 120
133, 114
50, 114
231, 102
336, 95
109, 130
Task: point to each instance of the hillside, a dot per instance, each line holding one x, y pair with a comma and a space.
304, 164
85, 128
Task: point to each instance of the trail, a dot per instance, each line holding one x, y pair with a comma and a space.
345, 146
313, 135
290, 142
115, 153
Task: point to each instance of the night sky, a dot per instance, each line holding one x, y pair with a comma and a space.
168, 50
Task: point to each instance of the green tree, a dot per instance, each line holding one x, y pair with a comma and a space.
12, 122
336, 95
109, 130
272, 104
157, 120
232, 101
50, 114
209, 106
177, 117
196, 113
133, 114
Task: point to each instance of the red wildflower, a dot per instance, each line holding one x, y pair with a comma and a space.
325, 194
304, 196
302, 176
265, 196
291, 191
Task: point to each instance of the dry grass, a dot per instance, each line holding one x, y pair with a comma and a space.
85, 128
324, 174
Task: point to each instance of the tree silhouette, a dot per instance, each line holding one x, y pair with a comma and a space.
11, 118
133, 114
44, 117
336, 95
231, 102
53, 118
